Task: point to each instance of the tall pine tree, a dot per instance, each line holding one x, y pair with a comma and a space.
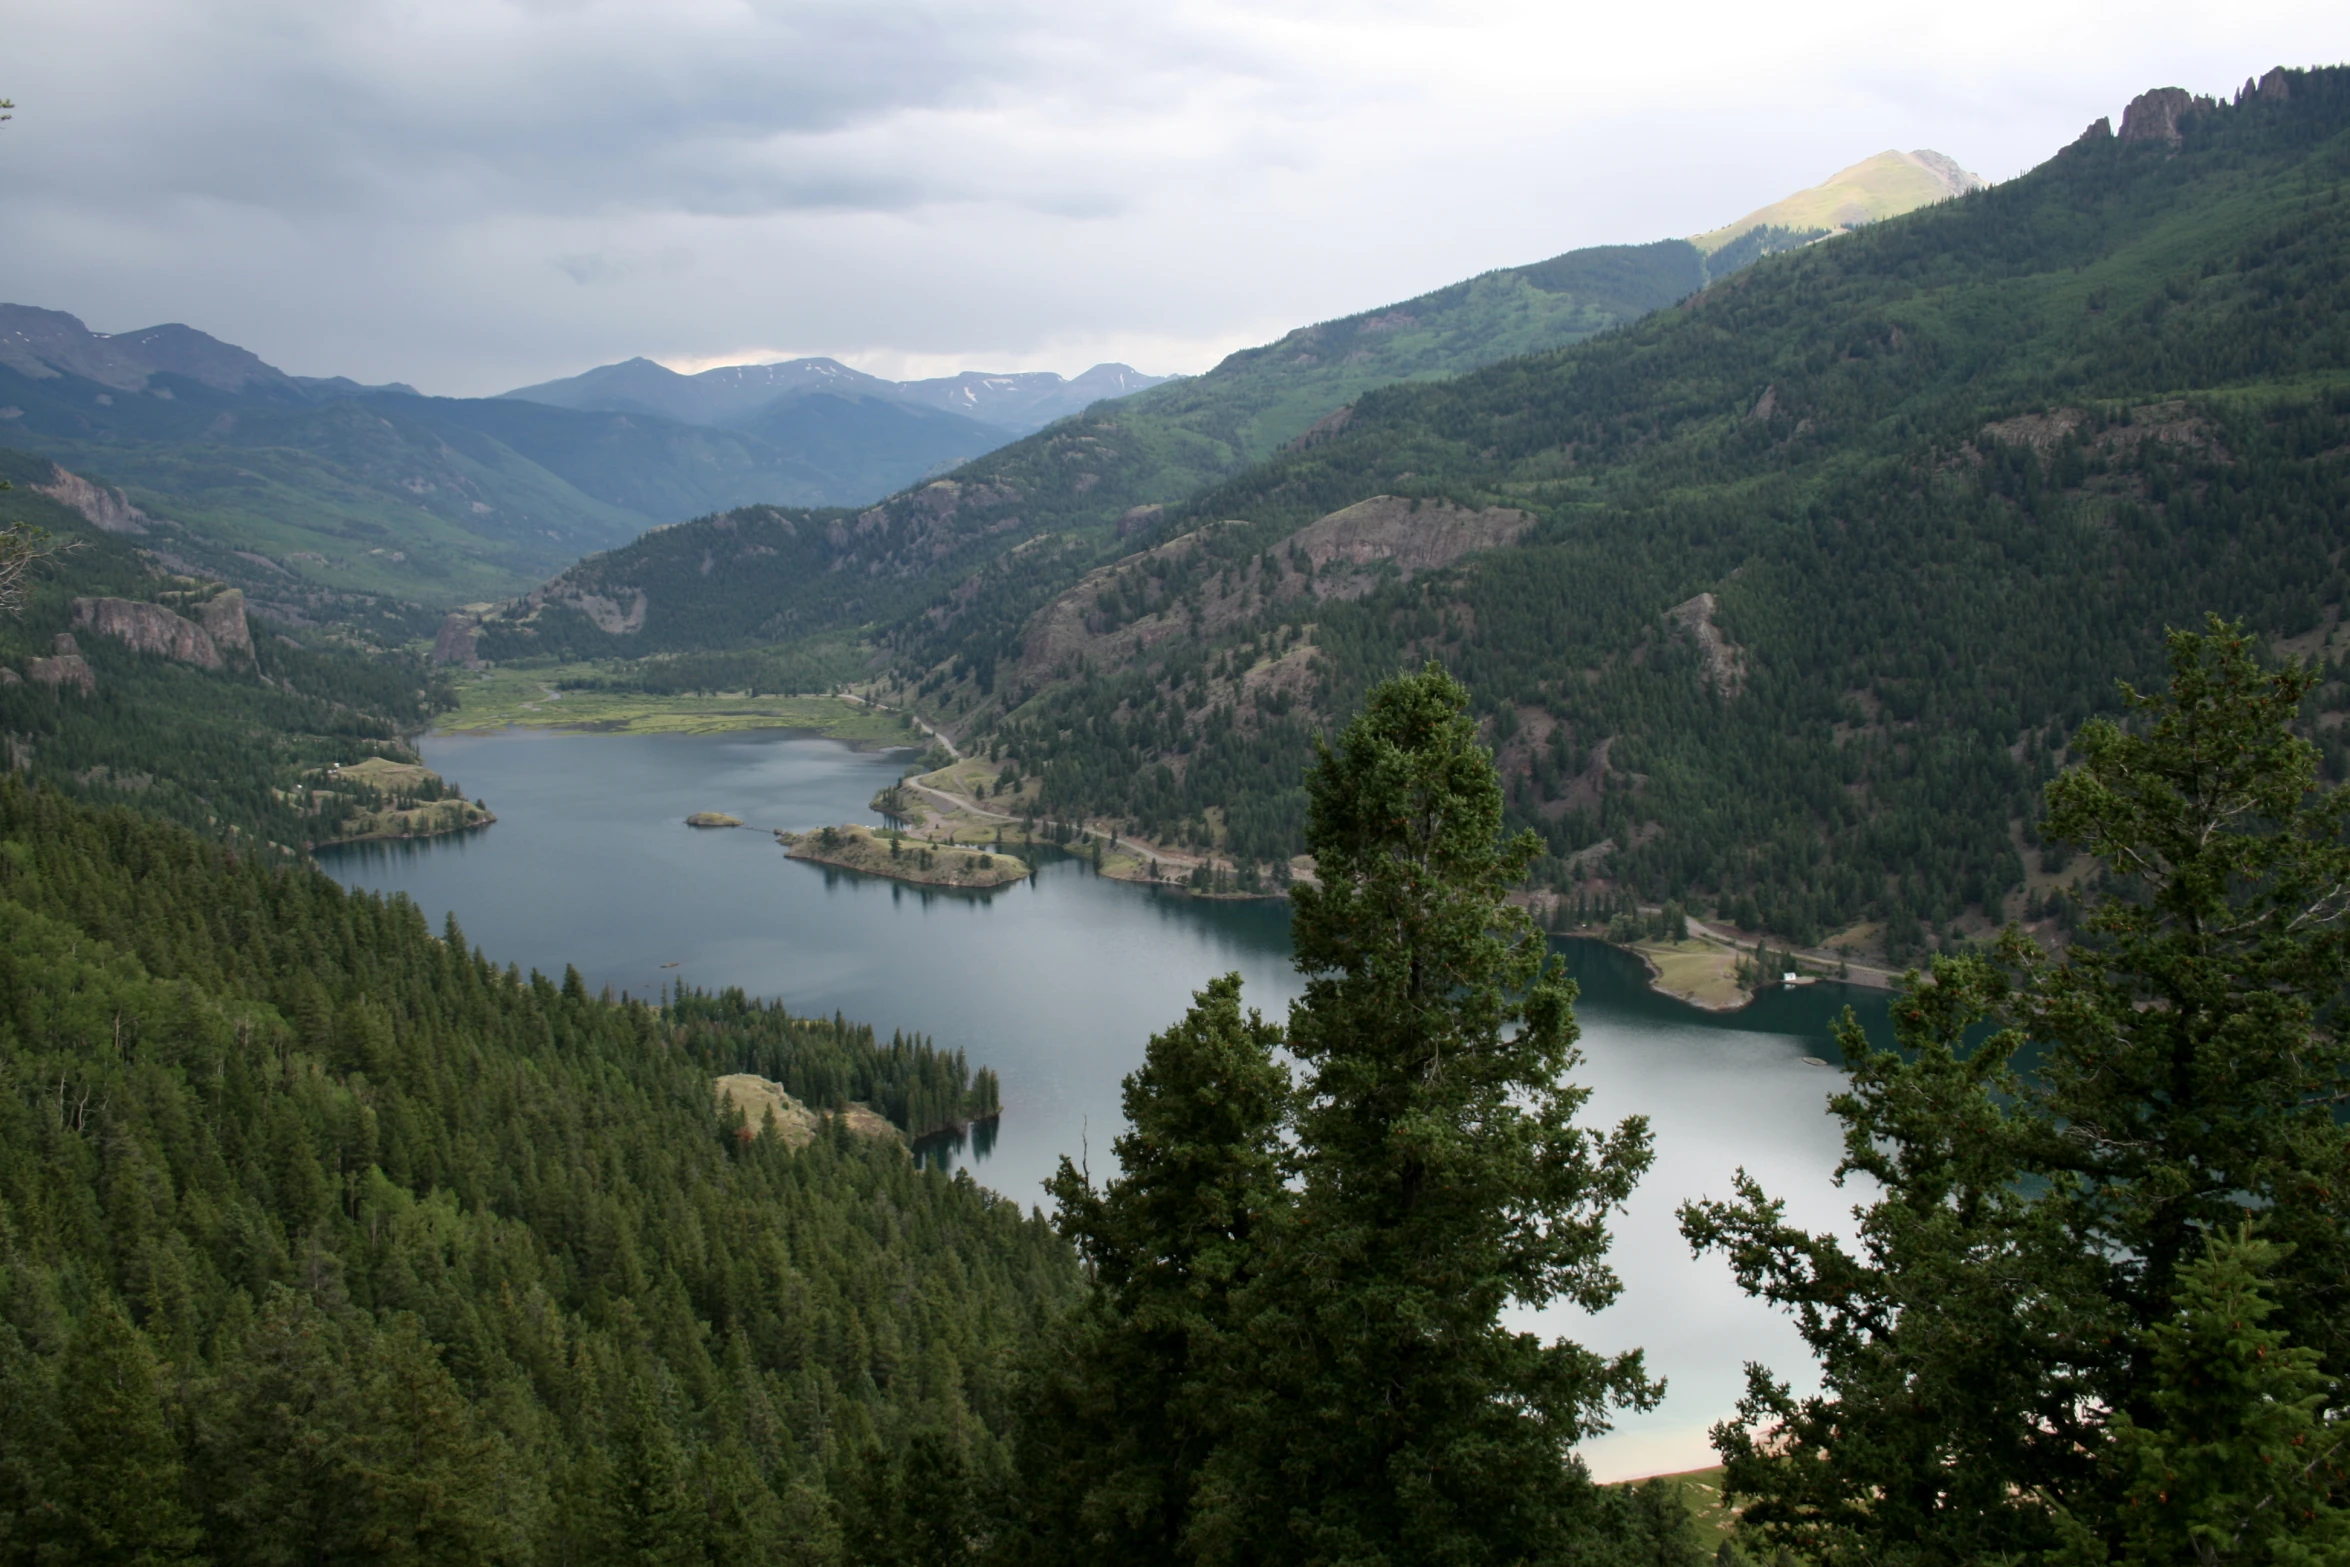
1131, 1397
1385, 1415
2037, 1215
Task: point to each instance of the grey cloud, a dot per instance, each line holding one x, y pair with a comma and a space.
293, 106
475, 194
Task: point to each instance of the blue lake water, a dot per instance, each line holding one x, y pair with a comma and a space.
1058, 984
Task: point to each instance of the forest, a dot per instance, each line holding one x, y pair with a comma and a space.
235, 751
322, 1237
379, 1251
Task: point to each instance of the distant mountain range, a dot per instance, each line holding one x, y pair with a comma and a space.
320, 496
740, 396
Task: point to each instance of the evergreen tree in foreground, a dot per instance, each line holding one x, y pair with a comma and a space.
1386, 1415
1132, 1396
2035, 1276
2236, 1461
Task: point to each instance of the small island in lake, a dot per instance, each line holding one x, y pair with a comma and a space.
713, 819
890, 853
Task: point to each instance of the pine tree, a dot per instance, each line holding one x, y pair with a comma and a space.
1386, 1415
2027, 1249
1129, 1395
649, 1517
2236, 1461
118, 1473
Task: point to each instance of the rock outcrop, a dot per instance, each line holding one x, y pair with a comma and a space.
795, 1123
223, 619
2156, 115
459, 640
65, 667
109, 511
1725, 661
151, 628
2275, 87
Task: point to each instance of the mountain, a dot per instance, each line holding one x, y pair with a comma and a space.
1885, 186
324, 498
1100, 475
721, 397
741, 396
1030, 399
1784, 601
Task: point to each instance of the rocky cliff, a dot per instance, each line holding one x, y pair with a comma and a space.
107, 510
218, 635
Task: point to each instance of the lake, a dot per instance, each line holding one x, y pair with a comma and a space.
1058, 984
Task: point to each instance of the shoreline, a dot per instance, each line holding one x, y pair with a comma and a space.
944, 818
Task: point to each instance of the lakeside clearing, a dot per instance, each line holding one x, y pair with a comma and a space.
1702, 973
506, 698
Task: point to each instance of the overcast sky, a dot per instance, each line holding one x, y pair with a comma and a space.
474, 194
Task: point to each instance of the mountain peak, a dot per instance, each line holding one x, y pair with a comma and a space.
733, 395
1885, 186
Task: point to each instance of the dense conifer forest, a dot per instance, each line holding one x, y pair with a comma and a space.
323, 1238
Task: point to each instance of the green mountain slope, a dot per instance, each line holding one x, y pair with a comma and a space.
328, 1239
1085, 481
1806, 580
227, 750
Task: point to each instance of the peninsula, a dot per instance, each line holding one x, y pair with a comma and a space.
394, 799
889, 853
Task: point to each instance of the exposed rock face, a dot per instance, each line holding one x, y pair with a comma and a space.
2100, 129
66, 668
150, 628
459, 638
108, 510
1413, 537
223, 619
1327, 428
1725, 661
2275, 87
2155, 116
1347, 554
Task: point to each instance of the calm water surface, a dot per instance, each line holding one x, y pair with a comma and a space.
1058, 984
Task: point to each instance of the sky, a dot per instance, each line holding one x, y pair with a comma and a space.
471, 195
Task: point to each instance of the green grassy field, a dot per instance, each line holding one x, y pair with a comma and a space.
508, 698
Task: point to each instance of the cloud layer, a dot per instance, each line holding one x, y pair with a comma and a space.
472, 194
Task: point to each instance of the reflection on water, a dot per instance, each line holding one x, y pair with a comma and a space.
1059, 981
945, 1150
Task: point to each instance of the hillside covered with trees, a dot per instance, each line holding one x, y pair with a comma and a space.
1047, 506
1792, 593
323, 1238
233, 747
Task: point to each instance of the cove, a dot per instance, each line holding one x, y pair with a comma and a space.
1058, 983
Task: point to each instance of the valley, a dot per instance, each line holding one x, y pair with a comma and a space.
1723, 857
